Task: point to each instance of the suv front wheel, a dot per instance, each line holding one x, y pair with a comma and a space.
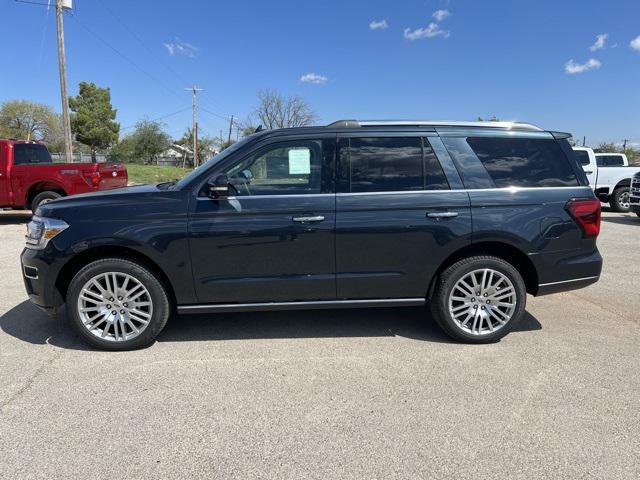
117, 304
479, 299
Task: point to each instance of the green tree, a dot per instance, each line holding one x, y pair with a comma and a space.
149, 140
93, 118
29, 121
206, 144
607, 148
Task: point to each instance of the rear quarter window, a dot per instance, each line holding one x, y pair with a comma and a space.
524, 162
583, 157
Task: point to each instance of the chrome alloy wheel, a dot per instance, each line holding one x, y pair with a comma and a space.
482, 302
624, 200
115, 306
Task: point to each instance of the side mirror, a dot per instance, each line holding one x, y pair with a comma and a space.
218, 186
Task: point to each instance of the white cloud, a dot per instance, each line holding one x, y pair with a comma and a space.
440, 15
431, 31
181, 48
572, 67
635, 43
599, 43
378, 25
314, 78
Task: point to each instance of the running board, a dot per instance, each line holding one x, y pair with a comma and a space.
315, 305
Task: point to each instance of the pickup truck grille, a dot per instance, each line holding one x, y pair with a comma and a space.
635, 186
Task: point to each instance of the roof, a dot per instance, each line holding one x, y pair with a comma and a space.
430, 123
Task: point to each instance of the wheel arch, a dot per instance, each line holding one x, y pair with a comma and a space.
44, 186
73, 266
505, 251
625, 182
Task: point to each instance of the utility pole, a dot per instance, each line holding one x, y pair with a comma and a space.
194, 124
230, 127
624, 146
61, 5
584, 141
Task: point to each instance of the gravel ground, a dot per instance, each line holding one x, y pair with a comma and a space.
330, 394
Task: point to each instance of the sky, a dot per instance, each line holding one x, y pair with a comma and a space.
568, 65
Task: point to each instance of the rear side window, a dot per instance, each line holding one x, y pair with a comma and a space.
24, 153
583, 157
524, 162
609, 161
394, 164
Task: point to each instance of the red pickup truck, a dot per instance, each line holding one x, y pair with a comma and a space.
28, 176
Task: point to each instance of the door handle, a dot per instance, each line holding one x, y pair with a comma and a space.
316, 218
441, 215
588, 172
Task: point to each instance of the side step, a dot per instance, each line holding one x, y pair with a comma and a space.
314, 305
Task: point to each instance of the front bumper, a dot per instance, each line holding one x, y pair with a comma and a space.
39, 273
634, 203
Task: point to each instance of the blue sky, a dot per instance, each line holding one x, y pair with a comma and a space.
537, 61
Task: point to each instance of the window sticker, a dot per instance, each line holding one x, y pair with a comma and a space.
300, 161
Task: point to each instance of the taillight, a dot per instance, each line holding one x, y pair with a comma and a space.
92, 179
586, 211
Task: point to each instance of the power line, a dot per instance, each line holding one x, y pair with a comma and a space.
159, 82
141, 42
160, 118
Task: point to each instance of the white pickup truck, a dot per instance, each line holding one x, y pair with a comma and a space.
609, 175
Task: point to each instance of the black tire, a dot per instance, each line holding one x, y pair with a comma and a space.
157, 293
440, 302
43, 197
618, 198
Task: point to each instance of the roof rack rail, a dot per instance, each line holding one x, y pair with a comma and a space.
423, 123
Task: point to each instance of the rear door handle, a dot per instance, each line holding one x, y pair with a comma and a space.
316, 218
441, 215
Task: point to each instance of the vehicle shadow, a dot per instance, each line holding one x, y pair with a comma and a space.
15, 217
28, 323
629, 219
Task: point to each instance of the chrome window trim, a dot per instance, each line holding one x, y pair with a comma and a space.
404, 192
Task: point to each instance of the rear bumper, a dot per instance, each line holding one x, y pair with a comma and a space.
560, 272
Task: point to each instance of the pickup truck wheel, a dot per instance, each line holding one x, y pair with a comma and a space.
42, 198
117, 304
620, 200
479, 299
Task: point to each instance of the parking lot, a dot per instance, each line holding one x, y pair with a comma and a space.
330, 394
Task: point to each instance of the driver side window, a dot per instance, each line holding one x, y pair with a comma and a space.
290, 168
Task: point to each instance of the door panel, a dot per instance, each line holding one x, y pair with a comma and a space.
274, 241
387, 246
249, 249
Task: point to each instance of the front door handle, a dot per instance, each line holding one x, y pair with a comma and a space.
441, 215
588, 172
316, 218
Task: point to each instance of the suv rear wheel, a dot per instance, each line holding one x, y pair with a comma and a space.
479, 299
117, 304
620, 200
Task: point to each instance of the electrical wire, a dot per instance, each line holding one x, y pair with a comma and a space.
160, 118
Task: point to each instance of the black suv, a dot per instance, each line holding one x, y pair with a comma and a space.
464, 217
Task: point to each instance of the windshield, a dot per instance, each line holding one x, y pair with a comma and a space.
212, 161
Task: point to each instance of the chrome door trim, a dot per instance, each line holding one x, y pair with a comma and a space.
308, 305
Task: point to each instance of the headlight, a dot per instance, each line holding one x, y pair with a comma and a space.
41, 229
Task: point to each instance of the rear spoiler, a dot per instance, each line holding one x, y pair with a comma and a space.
561, 135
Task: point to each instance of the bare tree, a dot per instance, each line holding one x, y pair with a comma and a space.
277, 111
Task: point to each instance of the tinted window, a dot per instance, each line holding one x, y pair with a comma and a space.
524, 162
290, 168
393, 164
24, 153
609, 161
583, 157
